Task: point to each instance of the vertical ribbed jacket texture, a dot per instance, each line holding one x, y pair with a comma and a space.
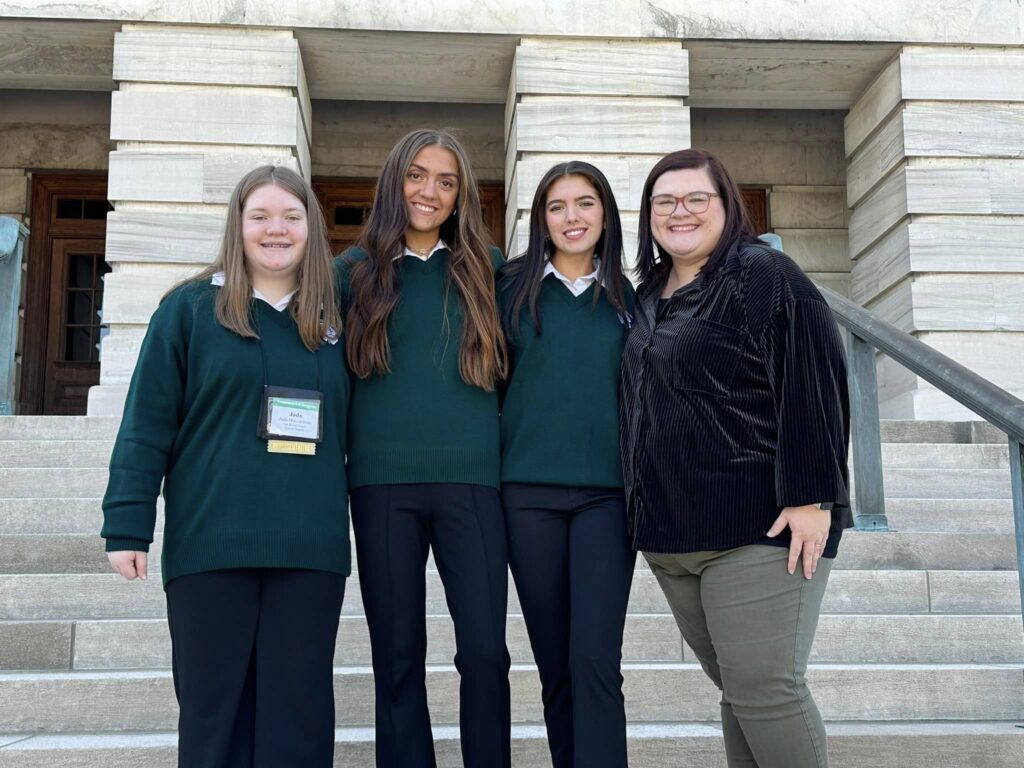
733, 406
421, 423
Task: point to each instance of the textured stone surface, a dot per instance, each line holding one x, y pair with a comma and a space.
35, 645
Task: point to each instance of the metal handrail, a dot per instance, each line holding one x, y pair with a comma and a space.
868, 332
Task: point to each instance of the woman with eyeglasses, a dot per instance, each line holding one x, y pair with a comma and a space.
566, 308
735, 420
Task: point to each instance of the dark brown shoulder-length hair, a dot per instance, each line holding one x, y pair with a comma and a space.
652, 265
375, 290
313, 306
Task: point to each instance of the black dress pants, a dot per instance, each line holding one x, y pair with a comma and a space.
253, 660
395, 528
573, 567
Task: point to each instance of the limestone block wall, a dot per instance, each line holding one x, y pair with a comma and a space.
172, 172
354, 137
797, 155
935, 151
617, 104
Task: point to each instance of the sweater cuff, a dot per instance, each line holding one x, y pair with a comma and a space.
127, 545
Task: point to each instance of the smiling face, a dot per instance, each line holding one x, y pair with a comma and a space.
689, 238
431, 190
574, 216
274, 233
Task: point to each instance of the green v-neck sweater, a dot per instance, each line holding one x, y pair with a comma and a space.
191, 420
560, 414
421, 423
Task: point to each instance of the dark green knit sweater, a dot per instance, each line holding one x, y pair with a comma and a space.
560, 415
191, 419
421, 423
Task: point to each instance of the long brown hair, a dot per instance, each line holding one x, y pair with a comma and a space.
652, 266
375, 289
313, 306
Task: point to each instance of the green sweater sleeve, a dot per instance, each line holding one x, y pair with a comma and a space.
152, 415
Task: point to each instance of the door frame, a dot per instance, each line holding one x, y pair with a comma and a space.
44, 228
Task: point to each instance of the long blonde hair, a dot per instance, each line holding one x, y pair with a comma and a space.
313, 306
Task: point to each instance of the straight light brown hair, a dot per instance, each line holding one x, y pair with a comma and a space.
375, 289
313, 307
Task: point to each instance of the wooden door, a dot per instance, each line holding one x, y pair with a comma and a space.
64, 293
347, 203
756, 200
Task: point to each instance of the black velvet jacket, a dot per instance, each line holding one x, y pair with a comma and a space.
733, 406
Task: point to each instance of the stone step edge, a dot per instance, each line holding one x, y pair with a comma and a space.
365, 669
530, 731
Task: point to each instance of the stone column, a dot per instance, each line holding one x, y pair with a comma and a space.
196, 108
616, 104
935, 152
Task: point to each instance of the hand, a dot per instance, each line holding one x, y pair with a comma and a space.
130, 564
809, 528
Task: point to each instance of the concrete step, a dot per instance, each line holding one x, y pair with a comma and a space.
84, 516
105, 428
96, 454
63, 702
859, 550
664, 745
842, 638
949, 515
934, 456
910, 431
55, 453
58, 427
81, 597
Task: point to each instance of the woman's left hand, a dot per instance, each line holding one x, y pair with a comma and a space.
809, 527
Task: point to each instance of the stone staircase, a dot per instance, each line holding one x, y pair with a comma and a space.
919, 658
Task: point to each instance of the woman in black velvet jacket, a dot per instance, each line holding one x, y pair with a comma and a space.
734, 424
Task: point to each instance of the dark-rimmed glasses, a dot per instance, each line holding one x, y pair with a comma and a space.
694, 202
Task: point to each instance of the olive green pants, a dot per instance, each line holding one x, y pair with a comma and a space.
751, 625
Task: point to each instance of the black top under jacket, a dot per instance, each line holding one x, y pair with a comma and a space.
733, 406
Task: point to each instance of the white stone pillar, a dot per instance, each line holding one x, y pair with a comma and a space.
616, 104
196, 108
935, 150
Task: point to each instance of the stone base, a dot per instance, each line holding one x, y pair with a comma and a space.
107, 400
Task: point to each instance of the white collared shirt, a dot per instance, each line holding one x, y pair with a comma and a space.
577, 286
411, 252
218, 279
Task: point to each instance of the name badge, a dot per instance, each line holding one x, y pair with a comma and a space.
291, 420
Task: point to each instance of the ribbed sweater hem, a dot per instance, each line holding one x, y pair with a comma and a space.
559, 478
402, 466
318, 550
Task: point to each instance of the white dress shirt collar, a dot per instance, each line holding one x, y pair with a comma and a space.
411, 252
577, 286
218, 279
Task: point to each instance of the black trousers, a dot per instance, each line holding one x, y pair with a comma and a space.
573, 567
253, 660
395, 527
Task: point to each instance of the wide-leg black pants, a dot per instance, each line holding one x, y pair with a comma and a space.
253, 660
573, 567
395, 528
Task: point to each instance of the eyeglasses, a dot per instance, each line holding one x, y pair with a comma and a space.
695, 202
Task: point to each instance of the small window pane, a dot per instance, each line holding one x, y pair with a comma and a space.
95, 348
80, 270
78, 345
69, 209
80, 310
95, 209
348, 216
